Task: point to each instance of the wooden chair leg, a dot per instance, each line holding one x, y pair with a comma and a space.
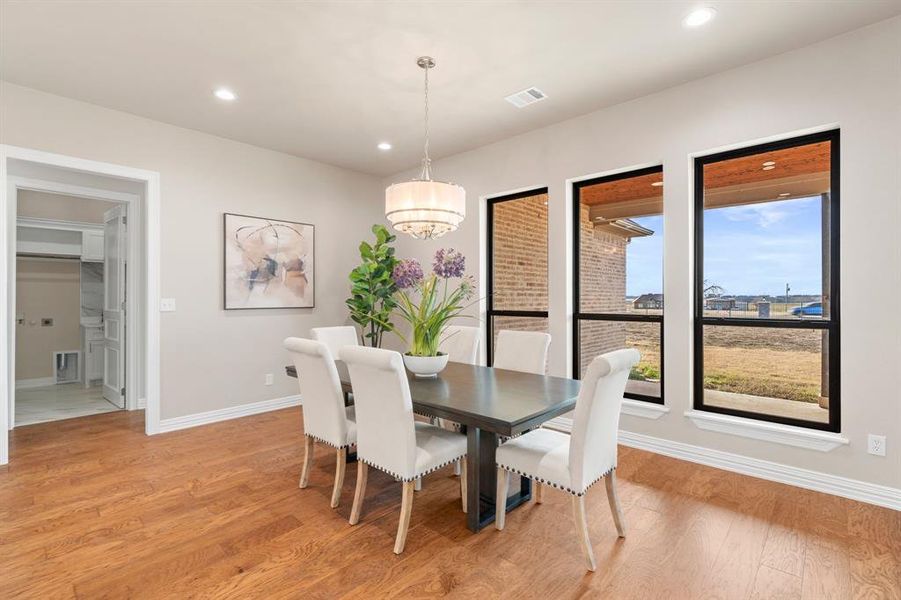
341, 458
582, 530
406, 507
463, 482
500, 507
359, 492
307, 461
615, 508
539, 492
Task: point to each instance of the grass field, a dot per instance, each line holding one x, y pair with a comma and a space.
773, 363
649, 366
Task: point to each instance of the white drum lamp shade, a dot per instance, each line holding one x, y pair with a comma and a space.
425, 209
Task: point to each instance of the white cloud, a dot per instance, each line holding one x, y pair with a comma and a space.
766, 214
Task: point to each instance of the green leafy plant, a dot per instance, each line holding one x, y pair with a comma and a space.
372, 288
438, 302
645, 373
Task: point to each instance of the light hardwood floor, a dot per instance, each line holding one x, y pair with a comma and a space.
92, 508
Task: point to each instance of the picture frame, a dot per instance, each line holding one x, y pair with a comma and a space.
267, 263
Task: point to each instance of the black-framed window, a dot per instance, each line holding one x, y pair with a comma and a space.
766, 326
517, 264
618, 274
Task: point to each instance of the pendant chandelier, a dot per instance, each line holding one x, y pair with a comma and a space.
424, 208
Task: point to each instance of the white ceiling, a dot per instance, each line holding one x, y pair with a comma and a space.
329, 80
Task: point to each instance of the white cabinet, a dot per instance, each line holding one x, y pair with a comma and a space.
92, 246
93, 354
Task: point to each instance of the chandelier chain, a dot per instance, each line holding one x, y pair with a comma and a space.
426, 161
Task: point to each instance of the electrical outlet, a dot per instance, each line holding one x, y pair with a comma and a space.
167, 304
876, 444
268, 378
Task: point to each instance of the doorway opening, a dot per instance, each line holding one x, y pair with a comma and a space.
71, 270
80, 309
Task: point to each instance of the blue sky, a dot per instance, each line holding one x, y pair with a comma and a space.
751, 249
644, 259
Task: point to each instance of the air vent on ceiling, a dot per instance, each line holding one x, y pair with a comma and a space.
526, 97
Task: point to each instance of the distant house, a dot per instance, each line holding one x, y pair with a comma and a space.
720, 303
646, 301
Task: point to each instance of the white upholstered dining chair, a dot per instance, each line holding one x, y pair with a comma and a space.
388, 439
461, 344
336, 337
575, 462
524, 351
325, 418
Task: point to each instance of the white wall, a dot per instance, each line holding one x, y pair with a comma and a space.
46, 288
853, 81
211, 358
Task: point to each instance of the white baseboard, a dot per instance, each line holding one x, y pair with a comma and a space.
142, 404
33, 383
854, 489
224, 414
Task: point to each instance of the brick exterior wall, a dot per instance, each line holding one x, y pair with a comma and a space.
602, 268
602, 287
520, 254
520, 273
520, 262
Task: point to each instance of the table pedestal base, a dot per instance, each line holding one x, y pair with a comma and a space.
481, 482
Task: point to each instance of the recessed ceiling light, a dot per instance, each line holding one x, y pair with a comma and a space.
784, 194
657, 184
769, 168
769, 163
384, 146
698, 17
225, 94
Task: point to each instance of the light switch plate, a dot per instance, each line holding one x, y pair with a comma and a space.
167, 304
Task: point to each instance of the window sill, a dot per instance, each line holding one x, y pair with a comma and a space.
639, 408
789, 435
636, 408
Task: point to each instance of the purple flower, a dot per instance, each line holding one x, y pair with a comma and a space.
407, 273
449, 263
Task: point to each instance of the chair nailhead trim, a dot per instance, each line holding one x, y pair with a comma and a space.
551, 483
328, 443
408, 479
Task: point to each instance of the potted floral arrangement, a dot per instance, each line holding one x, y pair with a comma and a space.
428, 303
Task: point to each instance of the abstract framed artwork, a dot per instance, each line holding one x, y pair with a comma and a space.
268, 263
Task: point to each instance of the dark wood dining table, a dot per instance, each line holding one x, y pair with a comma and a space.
488, 403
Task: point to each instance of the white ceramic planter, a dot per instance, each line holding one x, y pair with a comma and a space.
425, 366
